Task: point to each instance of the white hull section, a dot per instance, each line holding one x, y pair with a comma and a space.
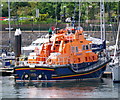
116, 73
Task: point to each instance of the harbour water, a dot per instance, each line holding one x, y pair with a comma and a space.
101, 88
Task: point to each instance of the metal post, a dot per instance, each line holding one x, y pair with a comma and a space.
102, 21
74, 16
116, 45
32, 23
64, 13
56, 15
1, 5
9, 26
118, 12
79, 14
17, 43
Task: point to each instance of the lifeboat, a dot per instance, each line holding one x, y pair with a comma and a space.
67, 56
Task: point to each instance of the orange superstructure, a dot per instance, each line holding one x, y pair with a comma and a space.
67, 46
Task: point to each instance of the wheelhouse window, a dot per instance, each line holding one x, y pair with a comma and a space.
86, 59
37, 44
72, 48
78, 59
93, 57
87, 47
66, 42
57, 42
76, 49
83, 47
90, 46
80, 34
81, 41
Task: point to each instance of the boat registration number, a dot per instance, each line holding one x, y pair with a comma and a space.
32, 70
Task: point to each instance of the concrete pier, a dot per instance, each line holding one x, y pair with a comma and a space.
6, 71
107, 75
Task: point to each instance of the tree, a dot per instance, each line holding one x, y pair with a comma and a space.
4, 9
88, 10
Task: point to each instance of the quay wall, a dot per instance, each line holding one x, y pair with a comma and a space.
29, 36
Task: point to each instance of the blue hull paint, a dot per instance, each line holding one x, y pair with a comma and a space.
95, 74
33, 74
60, 73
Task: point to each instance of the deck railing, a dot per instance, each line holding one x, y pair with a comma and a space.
100, 62
23, 61
61, 61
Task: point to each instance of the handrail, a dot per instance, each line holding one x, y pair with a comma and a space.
23, 62
100, 62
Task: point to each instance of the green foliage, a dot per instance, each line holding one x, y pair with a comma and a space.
4, 9
50, 20
43, 17
24, 21
49, 11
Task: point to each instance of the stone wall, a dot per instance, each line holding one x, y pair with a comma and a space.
29, 36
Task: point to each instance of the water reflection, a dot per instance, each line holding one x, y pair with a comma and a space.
101, 88
60, 89
65, 84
